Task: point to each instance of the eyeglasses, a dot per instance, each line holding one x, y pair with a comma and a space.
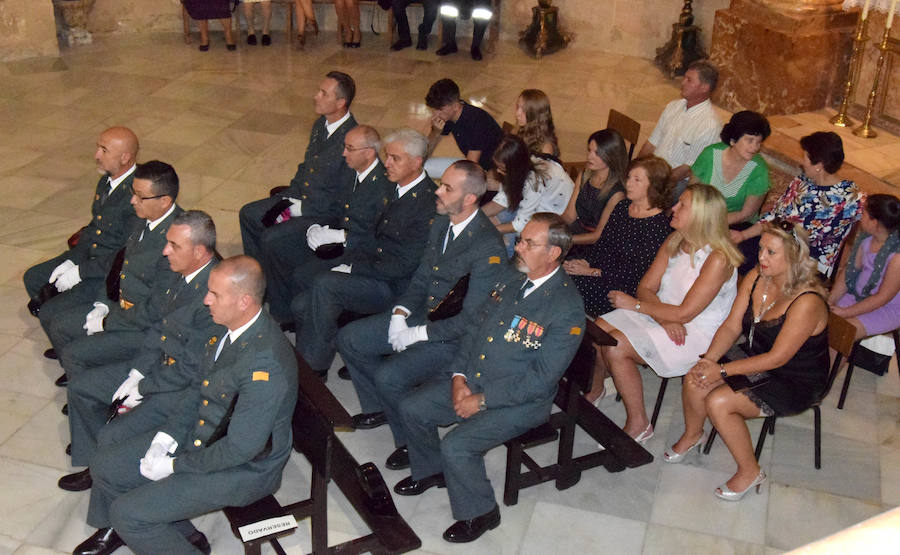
355, 148
142, 199
529, 244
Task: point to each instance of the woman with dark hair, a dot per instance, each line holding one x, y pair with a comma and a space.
534, 122
204, 10
599, 189
823, 203
529, 184
735, 168
781, 310
867, 288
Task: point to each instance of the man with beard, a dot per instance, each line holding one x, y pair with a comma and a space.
519, 343
390, 354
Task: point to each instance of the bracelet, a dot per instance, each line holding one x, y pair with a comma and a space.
722, 371
637, 307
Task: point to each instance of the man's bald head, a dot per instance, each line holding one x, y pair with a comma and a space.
235, 291
245, 275
117, 150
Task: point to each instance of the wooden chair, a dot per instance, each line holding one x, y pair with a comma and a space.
574, 169
627, 127
620, 450
841, 338
507, 128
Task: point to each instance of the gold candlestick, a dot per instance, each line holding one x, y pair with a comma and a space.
841, 119
865, 130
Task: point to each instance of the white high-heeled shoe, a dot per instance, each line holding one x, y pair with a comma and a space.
641, 438
672, 456
724, 492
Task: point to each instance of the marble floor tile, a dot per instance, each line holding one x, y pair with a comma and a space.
552, 525
788, 505
664, 540
16, 409
8, 545
43, 440
27, 496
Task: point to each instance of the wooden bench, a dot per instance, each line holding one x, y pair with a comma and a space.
317, 415
621, 451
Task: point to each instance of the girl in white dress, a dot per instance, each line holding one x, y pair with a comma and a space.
681, 301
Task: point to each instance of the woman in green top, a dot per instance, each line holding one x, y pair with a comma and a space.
736, 169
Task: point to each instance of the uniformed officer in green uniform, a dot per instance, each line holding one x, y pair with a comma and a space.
146, 488
111, 219
168, 360
112, 332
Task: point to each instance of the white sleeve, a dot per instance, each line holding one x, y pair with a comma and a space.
531, 200
500, 198
660, 128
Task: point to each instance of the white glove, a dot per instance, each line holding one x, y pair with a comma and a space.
409, 336
161, 445
129, 388
93, 322
295, 208
398, 324
68, 279
343, 268
319, 236
157, 468
60, 270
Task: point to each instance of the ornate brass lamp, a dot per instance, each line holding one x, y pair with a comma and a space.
683, 47
841, 119
544, 36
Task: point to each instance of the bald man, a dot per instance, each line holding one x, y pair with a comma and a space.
226, 445
112, 219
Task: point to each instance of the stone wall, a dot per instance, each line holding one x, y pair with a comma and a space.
27, 29
635, 27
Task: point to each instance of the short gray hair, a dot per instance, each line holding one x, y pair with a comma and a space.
370, 136
475, 182
203, 230
414, 143
558, 234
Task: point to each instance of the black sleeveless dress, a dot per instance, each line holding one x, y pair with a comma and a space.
794, 387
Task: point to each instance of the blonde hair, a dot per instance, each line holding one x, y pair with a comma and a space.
538, 128
802, 272
708, 226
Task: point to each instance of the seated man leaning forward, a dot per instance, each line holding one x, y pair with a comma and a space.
227, 443
311, 196
477, 134
463, 243
368, 279
519, 344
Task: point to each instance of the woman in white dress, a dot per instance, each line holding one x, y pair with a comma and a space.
681, 301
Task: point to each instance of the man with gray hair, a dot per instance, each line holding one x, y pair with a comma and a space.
687, 125
368, 280
463, 245
168, 357
518, 344
362, 195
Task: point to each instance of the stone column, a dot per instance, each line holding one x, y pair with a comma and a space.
780, 56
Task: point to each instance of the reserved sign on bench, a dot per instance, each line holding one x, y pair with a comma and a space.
267, 527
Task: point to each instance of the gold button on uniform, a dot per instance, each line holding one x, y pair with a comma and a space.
490, 338
205, 402
435, 268
346, 206
98, 232
162, 338
202, 422
477, 374
481, 357
121, 276
197, 443
205, 383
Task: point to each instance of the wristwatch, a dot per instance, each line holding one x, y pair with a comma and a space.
482, 404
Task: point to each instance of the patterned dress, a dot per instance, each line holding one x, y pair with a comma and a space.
826, 213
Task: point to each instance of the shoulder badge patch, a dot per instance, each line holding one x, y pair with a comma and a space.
575, 330
494, 260
260, 376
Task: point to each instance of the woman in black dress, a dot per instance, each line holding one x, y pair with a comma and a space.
204, 10
781, 310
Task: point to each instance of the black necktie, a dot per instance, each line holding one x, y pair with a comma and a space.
449, 239
525, 287
104, 197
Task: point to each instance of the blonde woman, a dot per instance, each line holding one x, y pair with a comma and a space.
781, 310
681, 301
534, 122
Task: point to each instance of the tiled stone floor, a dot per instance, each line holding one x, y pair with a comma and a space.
234, 125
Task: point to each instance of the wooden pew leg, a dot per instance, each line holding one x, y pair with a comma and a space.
186, 20
319, 516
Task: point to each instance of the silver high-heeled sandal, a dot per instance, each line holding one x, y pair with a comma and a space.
724, 492
672, 456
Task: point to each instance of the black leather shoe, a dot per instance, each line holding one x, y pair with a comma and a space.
447, 49
103, 542
401, 44
369, 420
65, 409
62, 381
323, 375
251, 40
198, 539
51, 354
399, 459
69, 449
344, 373
79, 481
476, 54
464, 531
408, 486
422, 43
266, 41
231, 47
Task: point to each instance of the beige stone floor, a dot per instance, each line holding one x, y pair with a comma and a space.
234, 125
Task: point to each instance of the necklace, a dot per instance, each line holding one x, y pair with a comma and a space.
765, 308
